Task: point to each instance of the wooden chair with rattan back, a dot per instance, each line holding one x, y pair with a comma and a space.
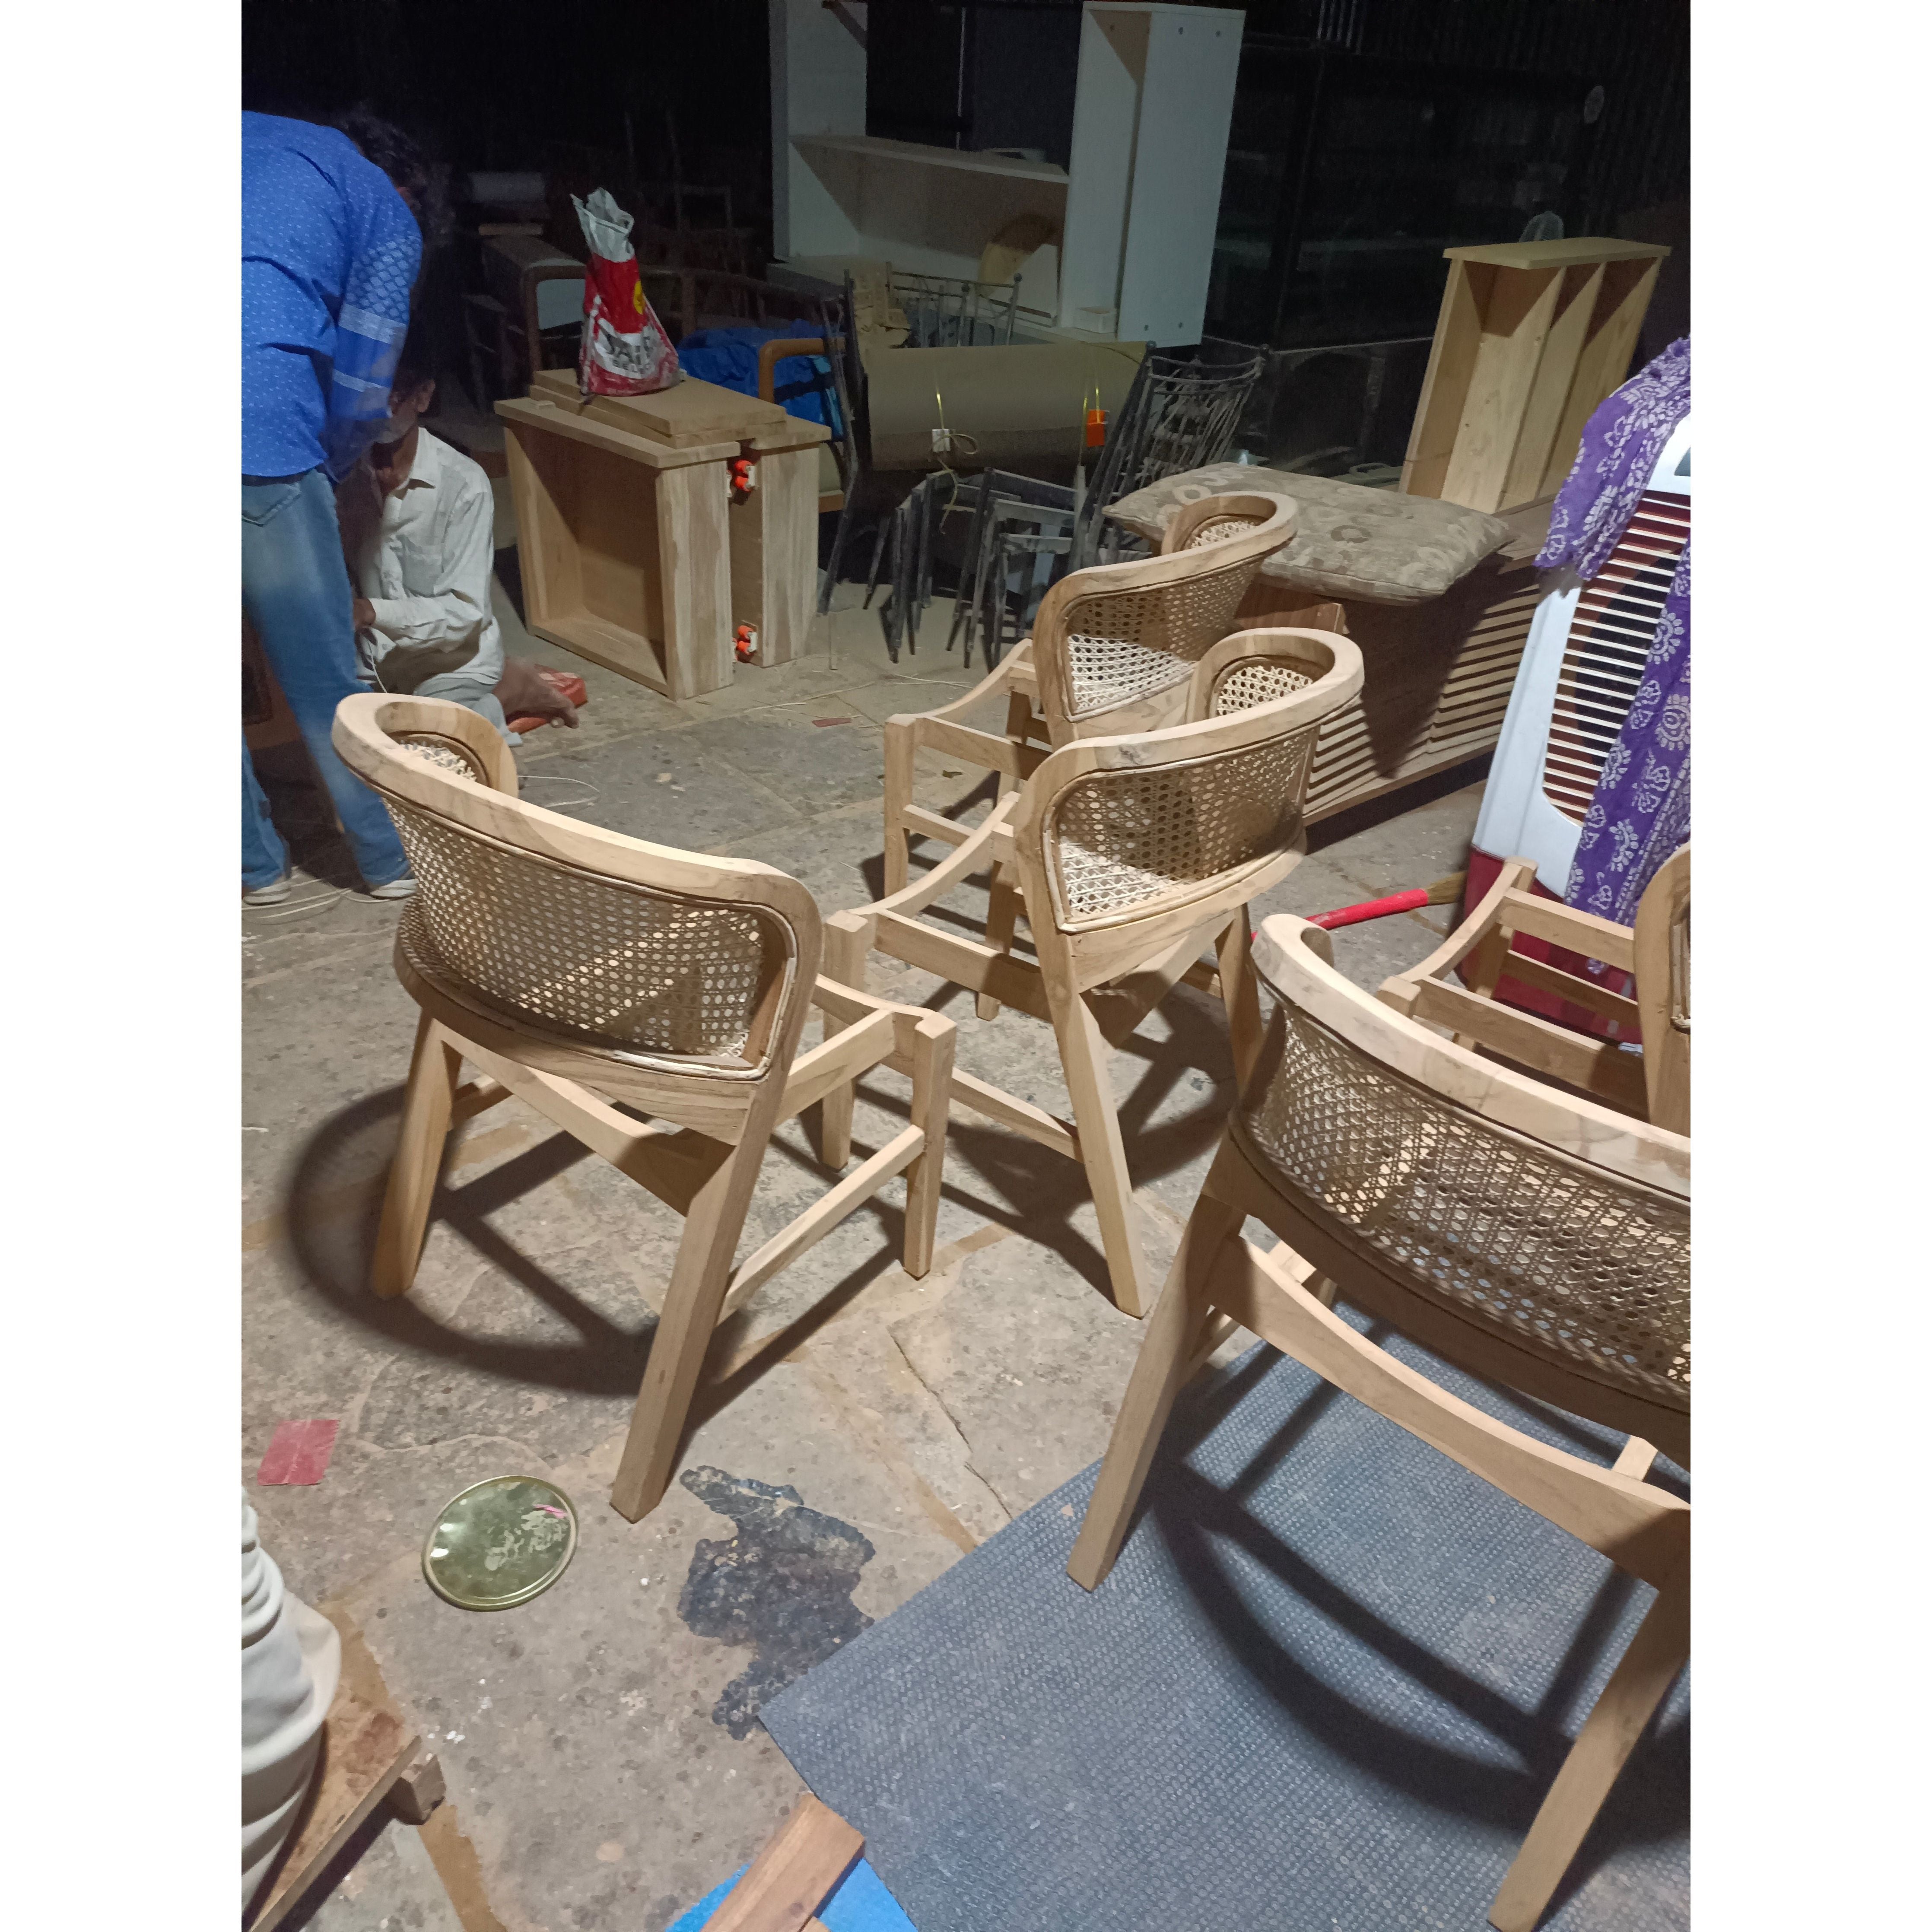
1130, 854
1533, 1237
1138, 628
586, 972
1655, 953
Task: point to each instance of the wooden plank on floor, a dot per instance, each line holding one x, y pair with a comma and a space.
789, 1880
363, 1751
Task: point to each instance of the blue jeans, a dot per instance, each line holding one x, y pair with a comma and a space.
295, 589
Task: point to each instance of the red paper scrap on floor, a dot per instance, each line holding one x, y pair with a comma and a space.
299, 1453
831, 720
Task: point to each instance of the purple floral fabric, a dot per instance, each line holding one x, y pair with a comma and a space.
1641, 811
1622, 442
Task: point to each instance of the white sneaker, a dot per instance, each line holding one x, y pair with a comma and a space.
273, 893
404, 888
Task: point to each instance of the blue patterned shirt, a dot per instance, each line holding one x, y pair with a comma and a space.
329, 250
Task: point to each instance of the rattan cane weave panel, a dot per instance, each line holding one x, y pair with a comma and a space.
1118, 840
610, 965
1251, 681
1126, 644
1582, 1266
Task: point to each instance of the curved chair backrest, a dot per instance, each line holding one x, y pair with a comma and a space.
648, 972
1174, 826
1115, 646
1526, 1233
1661, 945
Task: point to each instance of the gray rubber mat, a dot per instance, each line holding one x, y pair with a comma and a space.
1326, 1686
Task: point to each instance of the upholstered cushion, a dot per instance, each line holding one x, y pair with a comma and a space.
1349, 541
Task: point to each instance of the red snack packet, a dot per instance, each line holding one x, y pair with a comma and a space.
625, 351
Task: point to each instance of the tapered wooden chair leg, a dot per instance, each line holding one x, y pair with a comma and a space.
931, 1099
902, 742
847, 941
699, 1278
1167, 1354
1003, 911
433, 1070
1084, 1059
1241, 996
1003, 900
1638, 1685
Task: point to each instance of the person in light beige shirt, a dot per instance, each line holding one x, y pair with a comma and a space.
418, 532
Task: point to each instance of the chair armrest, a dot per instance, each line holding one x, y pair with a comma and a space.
1398, 990
771, 354
877, 1033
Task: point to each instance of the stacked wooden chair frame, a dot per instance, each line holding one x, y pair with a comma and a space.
1191, 601
1168, 797
1655, 954
648, 1002
1534, 1236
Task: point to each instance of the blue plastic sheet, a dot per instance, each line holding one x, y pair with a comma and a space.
801, 386
860, 1902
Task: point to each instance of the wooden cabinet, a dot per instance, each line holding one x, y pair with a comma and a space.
636, 551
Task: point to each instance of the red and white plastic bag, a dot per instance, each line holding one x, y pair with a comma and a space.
625, 351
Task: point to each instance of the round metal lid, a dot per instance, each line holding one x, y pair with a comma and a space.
500, 1543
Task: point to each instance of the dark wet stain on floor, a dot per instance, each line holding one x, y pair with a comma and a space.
782, 1582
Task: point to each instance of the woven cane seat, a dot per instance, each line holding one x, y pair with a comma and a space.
594, 961
1585, 1267
446, 754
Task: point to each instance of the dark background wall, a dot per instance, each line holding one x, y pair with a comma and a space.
1368, 135
508, 84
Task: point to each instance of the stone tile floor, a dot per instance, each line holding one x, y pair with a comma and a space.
586, 1738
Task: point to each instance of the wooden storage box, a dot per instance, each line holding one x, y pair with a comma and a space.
632, 552
1532, 336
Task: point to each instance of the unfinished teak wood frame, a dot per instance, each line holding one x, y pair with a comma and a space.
1205, 541
640, 554
1219, 1281
1039, 716
710, 1115
1655, 953
1097, 974
1532, 337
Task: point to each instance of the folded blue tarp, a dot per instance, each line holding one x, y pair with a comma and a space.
802, 385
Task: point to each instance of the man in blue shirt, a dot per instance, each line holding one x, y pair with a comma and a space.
331, 245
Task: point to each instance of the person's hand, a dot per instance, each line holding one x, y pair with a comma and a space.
525, 690
362, 614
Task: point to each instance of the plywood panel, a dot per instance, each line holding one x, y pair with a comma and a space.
1550, 392
609, 505
1517, 321
1113, 63
1445, 384
1622, 305
546, 553
774, 542
1180, 150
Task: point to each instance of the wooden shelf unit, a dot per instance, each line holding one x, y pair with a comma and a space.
1132, 214
1532, 337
